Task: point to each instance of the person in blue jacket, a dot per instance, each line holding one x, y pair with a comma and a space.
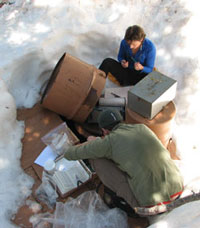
136, 58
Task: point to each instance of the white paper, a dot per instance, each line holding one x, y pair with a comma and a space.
45, 155
120, 92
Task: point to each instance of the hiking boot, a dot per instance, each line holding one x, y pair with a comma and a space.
112, 200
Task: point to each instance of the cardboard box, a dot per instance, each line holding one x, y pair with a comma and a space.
151, 94
74, 88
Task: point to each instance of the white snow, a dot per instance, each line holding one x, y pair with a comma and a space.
186, 216
35, 34
15, 184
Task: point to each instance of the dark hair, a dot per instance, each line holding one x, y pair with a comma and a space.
111, 126
134, 32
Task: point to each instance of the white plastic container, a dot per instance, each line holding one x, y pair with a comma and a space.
50, 166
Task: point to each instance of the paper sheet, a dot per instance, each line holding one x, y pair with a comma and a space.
45, 155
120, 92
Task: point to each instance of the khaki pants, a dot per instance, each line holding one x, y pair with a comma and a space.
115, 179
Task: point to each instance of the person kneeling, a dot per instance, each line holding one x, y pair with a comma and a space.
131, 161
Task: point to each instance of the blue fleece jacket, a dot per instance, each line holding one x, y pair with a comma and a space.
145, 55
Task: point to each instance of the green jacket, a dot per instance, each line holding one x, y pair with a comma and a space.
136, 150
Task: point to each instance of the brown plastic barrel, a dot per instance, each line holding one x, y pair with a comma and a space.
161, 124
74, 88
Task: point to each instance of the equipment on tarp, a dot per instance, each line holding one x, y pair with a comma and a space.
75, 88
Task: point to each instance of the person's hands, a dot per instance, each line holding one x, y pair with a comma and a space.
124, 63
138, 66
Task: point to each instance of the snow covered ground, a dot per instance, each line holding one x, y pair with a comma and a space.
35, 34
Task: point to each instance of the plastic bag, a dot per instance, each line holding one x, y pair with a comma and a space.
46, 192
87, 211
58, 139
39, 220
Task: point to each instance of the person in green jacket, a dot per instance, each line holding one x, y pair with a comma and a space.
131, 161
